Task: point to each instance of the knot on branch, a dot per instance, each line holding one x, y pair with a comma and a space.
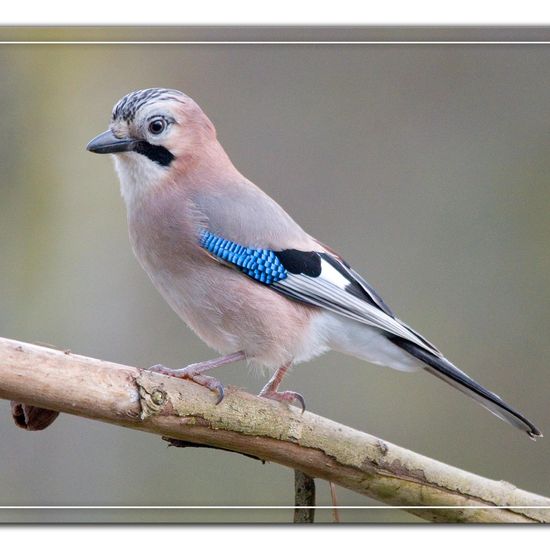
153, 398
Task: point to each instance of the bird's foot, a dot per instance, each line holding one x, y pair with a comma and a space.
193, 372
269, 391
290, 397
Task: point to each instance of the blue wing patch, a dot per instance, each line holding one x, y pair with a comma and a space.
260, 264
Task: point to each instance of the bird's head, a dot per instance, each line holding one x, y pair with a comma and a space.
153, 134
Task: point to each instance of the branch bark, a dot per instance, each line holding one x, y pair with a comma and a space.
316, 446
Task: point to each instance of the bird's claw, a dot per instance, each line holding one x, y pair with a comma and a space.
285, 397
221, 393
188, 373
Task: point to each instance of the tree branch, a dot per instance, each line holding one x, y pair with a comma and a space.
316, 446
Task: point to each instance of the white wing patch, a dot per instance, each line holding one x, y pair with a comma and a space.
330, 290
331, 275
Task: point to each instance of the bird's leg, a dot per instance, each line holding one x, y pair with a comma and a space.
195, 370
269, 391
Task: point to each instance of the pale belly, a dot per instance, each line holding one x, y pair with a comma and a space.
230, 313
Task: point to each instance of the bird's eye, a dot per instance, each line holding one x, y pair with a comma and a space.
157, 126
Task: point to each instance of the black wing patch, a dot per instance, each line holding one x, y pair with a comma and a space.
299, 262
321, 279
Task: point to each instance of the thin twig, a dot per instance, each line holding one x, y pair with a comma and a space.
335, 511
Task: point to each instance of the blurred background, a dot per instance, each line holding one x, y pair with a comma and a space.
426, 166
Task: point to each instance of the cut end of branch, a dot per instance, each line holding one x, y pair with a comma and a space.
32, 418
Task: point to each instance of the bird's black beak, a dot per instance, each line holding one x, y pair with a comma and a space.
107, 142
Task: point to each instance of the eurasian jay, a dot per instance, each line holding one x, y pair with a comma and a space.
239, 270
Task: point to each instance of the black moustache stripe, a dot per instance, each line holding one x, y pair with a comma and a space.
157, 153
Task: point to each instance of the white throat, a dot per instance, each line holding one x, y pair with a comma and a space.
138, 175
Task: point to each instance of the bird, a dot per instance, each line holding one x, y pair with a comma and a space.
237, 268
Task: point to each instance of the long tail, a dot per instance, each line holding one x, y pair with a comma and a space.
446, 371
